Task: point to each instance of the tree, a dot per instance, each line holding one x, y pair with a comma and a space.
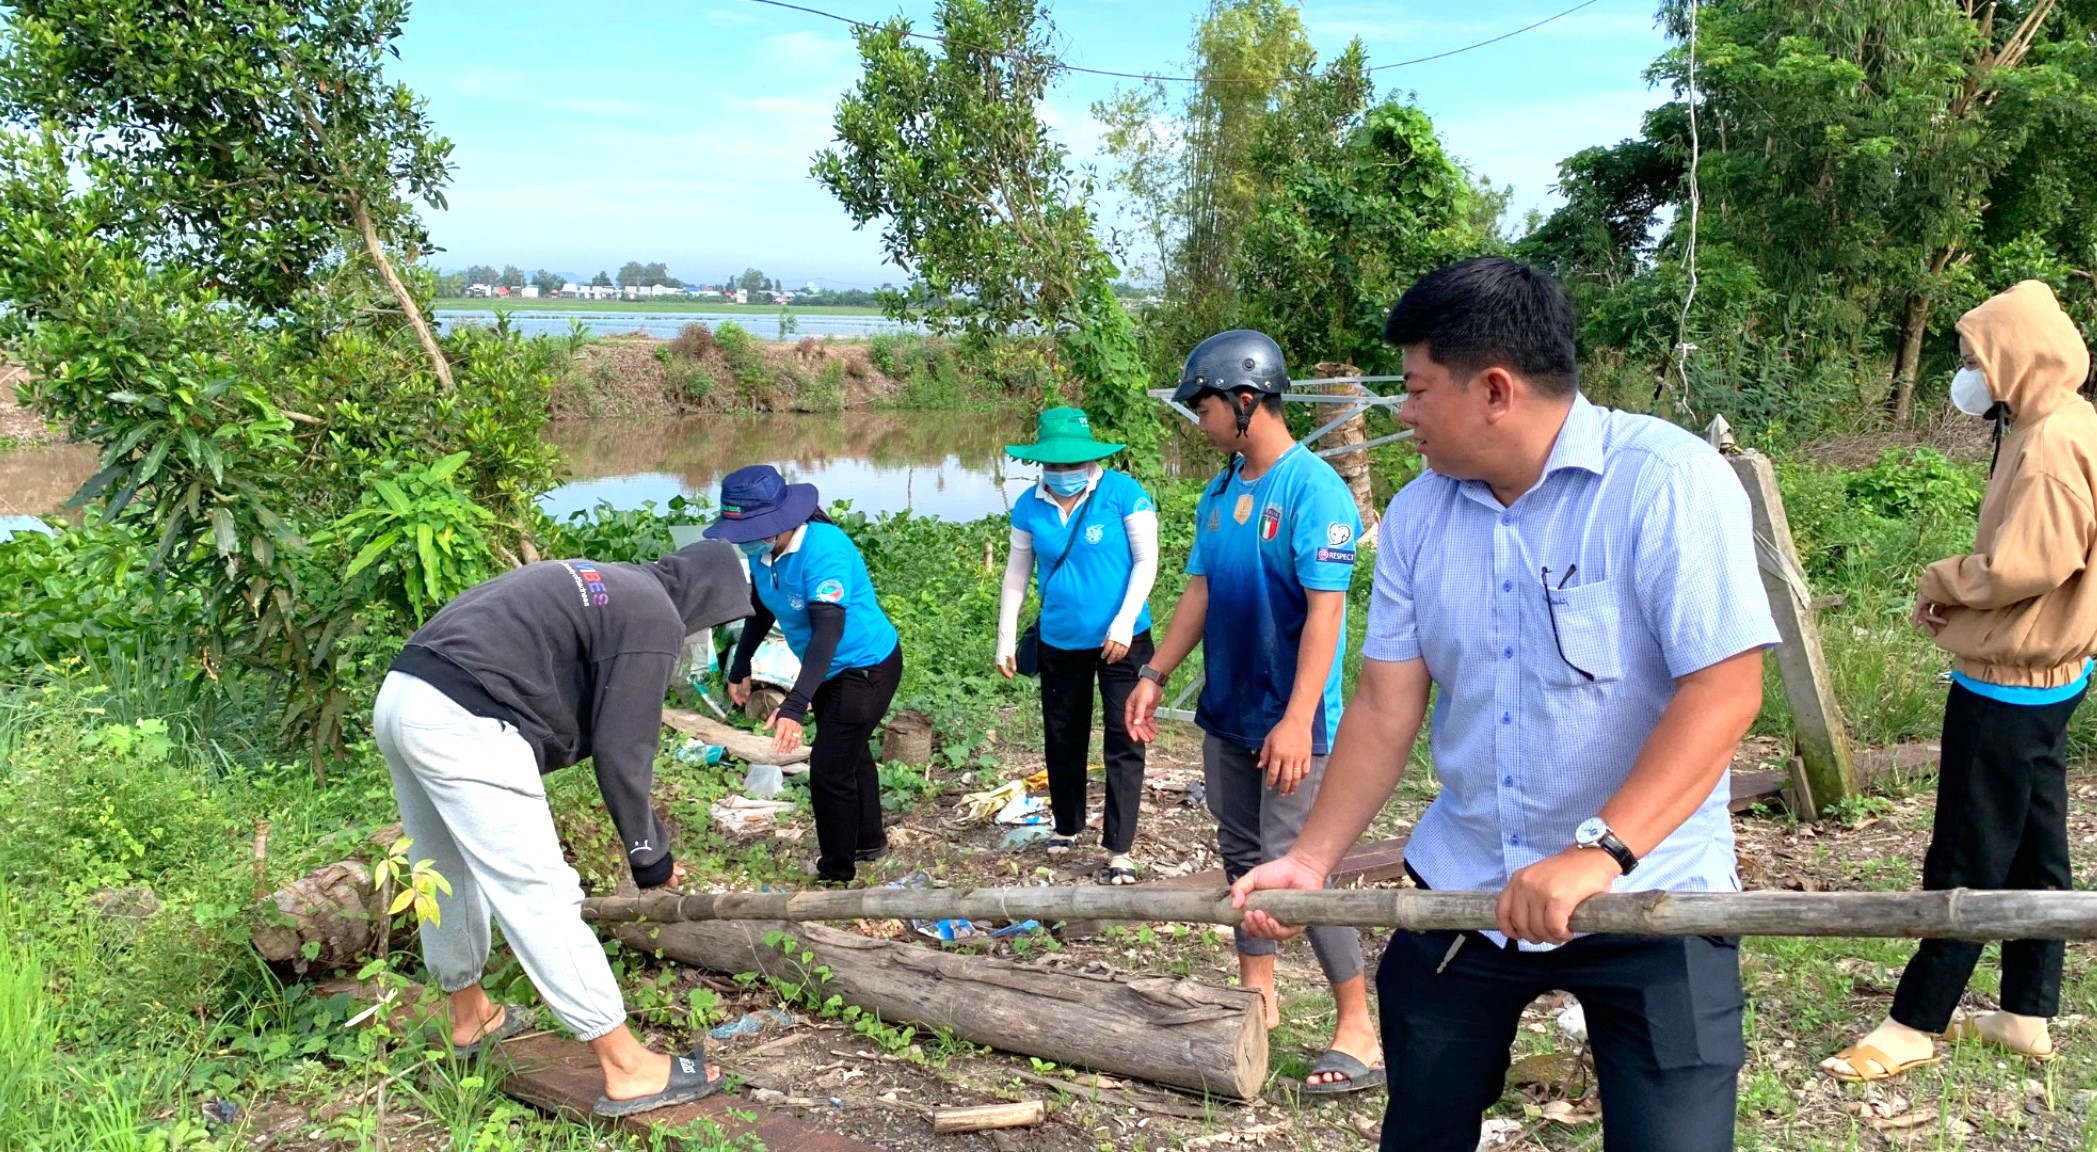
751, 280
450, 285
512, 277
548, 283
1365, 203
634, 274
601, 280
482, 274
976, 200
1189, 170
305, 132
202, 224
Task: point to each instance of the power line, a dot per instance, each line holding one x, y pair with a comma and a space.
1018, 56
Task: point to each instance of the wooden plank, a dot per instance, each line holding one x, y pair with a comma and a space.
1829, 772
742, 745
558, 1075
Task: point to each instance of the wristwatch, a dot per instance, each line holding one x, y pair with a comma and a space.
1594, 833
1151, 674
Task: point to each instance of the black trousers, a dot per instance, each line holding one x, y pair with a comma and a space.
2002, 822
844, 784
1663, 1020
1067, 677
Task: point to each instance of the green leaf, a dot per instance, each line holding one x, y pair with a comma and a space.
443, 469
95, 484
224, 535
371, 552
395, 499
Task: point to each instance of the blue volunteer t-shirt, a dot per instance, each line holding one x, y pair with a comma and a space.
826, 568
1081, 599
1261, 544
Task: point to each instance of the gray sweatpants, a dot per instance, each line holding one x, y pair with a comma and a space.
471, 799
1256, 824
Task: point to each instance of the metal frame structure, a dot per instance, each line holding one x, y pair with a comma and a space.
1351, 405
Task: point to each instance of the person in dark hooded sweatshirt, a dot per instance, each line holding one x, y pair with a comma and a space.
536, 670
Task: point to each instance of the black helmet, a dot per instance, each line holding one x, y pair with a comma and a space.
1229, 361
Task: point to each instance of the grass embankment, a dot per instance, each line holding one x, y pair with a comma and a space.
122, 772
723, 368
652, 306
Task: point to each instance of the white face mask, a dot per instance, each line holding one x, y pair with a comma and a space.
1969, 392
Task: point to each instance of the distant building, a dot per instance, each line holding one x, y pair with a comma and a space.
480, 290
531, 291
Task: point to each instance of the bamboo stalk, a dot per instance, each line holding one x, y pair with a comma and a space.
1958, 914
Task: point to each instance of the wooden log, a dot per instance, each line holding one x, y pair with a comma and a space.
1827, 772
744, 746
1172, 1031
984, 1117
1958, 914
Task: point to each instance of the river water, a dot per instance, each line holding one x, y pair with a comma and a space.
663, 325
945, 465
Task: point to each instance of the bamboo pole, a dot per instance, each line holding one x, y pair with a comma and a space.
1958, 914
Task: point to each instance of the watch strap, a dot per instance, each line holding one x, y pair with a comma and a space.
1151, 674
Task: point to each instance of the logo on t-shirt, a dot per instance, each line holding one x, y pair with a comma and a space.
1215, 519
794, 602
1337, 534
1270, 522
1336, 555
1243, 511
830, 592
1094, 533
589, 582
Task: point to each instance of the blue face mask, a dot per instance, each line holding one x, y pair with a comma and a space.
1065, 483
755, 548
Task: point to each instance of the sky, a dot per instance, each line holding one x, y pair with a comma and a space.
585, 136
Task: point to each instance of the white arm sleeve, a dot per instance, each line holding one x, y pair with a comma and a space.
1143, 550
1019, 570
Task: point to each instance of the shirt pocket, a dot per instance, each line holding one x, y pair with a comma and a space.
1588, 623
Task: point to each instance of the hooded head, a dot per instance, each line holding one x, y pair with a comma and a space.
706, 582
2028, 348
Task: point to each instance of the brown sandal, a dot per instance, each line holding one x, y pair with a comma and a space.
1859, 1055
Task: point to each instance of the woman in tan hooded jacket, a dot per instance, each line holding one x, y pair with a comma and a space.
2019, 614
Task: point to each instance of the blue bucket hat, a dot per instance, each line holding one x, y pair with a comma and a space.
757, 502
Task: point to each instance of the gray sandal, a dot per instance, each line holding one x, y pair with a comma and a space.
1355, 1075
688, 1082
515, 1019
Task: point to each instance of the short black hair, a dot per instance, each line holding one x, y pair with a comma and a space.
1490, 311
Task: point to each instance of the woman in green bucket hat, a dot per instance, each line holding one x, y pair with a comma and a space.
1088, 537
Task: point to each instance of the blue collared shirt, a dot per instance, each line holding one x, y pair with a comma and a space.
1645, 540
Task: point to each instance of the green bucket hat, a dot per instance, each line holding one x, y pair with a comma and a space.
1064, 436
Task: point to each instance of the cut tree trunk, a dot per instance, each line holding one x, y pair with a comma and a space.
1171, 1031
333, 909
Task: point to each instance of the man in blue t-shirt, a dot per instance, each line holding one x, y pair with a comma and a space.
1266, 597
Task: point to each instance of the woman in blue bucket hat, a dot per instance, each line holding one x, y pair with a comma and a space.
806, 574
1087, 536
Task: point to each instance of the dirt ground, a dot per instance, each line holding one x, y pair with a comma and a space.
838, 1080
624, 376
16, 422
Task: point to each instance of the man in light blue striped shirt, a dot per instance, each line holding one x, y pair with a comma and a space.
1581, 585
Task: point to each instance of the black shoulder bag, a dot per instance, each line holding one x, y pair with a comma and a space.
1027, 658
